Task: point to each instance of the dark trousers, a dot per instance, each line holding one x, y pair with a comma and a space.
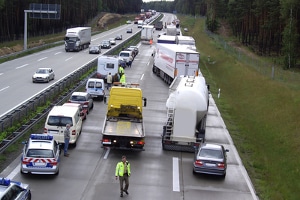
123, 179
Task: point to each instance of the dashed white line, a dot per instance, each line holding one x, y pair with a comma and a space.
106, 153
57, 53
21, 66
42, 58
4, 88
68, 58
176, 187
142, 76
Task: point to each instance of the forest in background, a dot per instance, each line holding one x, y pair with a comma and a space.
269, 27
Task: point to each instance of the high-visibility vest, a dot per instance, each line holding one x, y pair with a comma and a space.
123, 79
121, 70
120, 169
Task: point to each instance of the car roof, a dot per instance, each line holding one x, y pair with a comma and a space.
72, 104
211, 146
40, 143
44, 68
80, 93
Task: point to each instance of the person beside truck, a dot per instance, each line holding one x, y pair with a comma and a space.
109, 81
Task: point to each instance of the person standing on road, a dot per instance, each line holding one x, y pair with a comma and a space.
109, 80
130, 61
121, 70
67, 140
123, 79
123, 172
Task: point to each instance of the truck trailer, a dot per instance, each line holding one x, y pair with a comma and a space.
187, 108
147, 33
77, 39
123, 126
171, 60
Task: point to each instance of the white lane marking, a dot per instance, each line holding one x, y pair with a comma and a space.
106, 153
42, 59
142, 77
176, 187
4, 88
21, 66
14, 172
57, 53
68, 58
1, 74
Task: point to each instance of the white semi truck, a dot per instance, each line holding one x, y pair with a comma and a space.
187, 108
77, 39
171, 60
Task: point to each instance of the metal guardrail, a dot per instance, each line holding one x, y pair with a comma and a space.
24, 110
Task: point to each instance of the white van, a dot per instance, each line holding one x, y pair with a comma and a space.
95, 87
107, 64
58, 118
125, 55
140, 23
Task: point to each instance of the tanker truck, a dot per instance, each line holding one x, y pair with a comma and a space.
187, 108
77, 39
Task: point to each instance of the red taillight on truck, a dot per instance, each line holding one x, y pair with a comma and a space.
45, 130
74, 132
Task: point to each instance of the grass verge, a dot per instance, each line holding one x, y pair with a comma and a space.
260, 113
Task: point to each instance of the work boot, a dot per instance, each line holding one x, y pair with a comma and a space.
121, 195
126, 192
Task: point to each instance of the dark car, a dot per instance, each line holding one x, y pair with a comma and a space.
83, 98
129, 30
105, 44
118, 37
94, 49
211, 159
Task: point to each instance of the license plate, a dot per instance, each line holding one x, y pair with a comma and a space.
39, 164
210, 165
53, 132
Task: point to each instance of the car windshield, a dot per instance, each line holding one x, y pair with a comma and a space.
210, 153
40, 153
41, 71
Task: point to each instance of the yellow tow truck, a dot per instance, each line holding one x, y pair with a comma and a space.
123, 126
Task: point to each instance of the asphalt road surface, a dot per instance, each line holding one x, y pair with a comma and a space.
156, 174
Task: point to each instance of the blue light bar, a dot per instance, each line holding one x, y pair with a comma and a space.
4, 181
41, 137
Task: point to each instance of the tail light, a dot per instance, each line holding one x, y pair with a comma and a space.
106, 141
53, 163
45, 130
198, 162
74, 132
25, 162
86, 103
221, 165
141, 142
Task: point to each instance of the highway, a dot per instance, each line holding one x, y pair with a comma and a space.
89, 171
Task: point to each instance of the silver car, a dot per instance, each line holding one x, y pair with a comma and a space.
41, 155
211, 159
112, 41
43, 75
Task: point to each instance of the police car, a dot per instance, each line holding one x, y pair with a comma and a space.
13, 190
41, 155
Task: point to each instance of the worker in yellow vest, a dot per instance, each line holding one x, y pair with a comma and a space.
123, 172
123, 79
